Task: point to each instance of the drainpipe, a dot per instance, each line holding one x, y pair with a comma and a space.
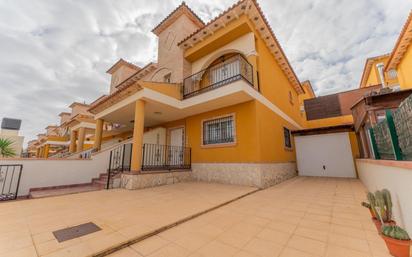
380, 67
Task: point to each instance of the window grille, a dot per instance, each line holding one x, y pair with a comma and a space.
219, 131
286, 135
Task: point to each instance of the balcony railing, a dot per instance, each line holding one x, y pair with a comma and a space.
226, 72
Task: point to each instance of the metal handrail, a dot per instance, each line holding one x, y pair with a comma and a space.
228, 71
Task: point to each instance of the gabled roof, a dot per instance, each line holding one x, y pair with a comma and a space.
174, 15
64, 113
402, 44
77, 103
368, 67
252, 9
122, 87
121, 63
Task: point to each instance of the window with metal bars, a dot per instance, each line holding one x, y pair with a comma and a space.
219, 131
286, 135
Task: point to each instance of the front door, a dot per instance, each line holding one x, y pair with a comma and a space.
176, 147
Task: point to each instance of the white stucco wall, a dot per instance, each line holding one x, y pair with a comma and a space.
57, 172
398, 180
244, 44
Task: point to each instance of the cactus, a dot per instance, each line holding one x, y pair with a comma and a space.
372, 202
388, 203
366, 205
383, 205
395, 232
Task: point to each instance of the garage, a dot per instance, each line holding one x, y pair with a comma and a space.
325, 152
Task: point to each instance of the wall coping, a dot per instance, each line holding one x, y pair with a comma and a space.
389, 163
42, 159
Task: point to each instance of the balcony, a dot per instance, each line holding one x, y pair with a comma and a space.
232, 69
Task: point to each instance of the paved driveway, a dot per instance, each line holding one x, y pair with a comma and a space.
26, 226
302, 217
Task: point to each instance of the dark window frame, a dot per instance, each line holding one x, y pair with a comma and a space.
287, 138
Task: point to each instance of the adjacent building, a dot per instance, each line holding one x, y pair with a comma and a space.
10, 130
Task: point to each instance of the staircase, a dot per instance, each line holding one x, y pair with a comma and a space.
96, 184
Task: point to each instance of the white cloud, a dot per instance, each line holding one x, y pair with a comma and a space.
56, 52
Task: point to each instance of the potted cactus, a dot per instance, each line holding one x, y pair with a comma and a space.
381, 207
397, 240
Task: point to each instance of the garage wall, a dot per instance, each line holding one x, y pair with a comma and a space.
325, 155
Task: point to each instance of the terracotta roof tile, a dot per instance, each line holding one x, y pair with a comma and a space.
406, 30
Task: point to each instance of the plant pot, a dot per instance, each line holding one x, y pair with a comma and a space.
378, 224
390, 223
398, 248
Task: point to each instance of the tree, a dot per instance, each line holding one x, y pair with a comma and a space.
6, 149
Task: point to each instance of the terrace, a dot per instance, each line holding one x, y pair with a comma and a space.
301, 217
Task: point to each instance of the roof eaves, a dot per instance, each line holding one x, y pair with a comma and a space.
406, 30
182, 6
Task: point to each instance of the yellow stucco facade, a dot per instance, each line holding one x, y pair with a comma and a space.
404, 70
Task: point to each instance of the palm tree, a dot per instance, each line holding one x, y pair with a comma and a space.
6, 150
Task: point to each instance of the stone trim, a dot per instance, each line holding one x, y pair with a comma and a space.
261, 175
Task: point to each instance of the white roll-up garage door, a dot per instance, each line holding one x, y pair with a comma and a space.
325, 155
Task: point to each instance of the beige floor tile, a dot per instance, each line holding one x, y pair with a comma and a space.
274, 236
348, 231
290, 252
262, 247
317, 225
349, 242
245, 254
126, 252
22, 252
150, 245
282, 226
234, 238
193, 241
308, 245
338, 251
217, 249
312, 233
170, 250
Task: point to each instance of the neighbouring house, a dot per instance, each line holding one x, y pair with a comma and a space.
374, 73
401, 57
10, 130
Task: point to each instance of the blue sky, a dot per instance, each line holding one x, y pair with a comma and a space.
54, 52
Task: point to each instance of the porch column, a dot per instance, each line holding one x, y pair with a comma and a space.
80, 140
136, 163
98, 134
46, 151
72, 147
42, 152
